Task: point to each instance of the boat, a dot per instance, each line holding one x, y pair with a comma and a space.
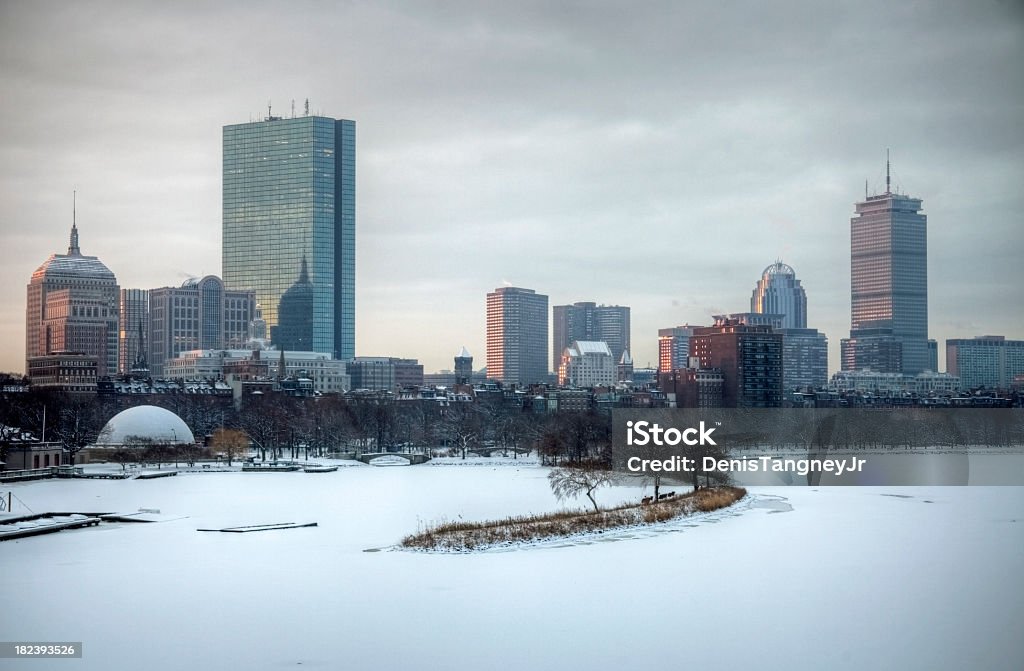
319, 468
270, 467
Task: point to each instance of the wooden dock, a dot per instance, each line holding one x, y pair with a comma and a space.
24, 526
262, 527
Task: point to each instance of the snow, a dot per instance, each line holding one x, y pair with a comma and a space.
794, 578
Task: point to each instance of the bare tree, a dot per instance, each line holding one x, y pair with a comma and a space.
570, 482
463, 425
231, 442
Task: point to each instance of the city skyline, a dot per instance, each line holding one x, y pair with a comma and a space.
623, 157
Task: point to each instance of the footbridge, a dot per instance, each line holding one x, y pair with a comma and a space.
367, 457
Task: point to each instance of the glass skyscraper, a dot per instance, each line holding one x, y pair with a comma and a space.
289, 218
889, 287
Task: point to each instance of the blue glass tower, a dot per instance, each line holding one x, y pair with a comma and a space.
289, 196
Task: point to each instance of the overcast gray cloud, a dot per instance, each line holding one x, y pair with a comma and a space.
657, 156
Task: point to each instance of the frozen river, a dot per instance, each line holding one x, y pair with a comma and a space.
851, 578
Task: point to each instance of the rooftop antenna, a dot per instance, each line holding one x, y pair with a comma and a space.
307, 107
865, 189
293, 108
887, 171
268, 111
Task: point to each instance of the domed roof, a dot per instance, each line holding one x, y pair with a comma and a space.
779, 268
73, 265
145, 424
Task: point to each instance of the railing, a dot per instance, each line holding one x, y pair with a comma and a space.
40, 473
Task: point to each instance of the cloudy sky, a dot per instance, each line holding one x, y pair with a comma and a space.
657, 155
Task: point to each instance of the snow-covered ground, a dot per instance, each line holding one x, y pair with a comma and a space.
850, 578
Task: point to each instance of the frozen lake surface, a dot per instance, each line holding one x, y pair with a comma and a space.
794, 578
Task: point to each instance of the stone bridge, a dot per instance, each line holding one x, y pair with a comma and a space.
414, 459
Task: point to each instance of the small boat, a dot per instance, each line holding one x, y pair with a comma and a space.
319, 468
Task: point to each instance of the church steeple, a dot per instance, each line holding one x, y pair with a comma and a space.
303, 272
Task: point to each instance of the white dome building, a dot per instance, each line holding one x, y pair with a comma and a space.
145, 425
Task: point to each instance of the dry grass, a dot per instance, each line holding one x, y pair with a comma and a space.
461, 536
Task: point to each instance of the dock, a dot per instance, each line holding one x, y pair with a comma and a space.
262, 527
24, 526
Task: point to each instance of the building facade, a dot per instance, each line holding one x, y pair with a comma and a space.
73, 305
517, 336
779, 292
804, 359
589, 322
200, 314
133, 332
674, 347
889, 287
289, 212
988, 361
871, 382
464, 367
749, 358
70, 372
328, 375
586, 364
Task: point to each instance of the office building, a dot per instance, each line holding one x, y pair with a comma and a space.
988, 361
289, 224
674, 347
779, 292
517, 336
132, 334
889, 287
587, 364
804, 359
200, 314
72, 306
749, 358
590, 322
69, 372
804, 350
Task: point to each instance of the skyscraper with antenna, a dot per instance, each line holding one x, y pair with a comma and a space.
889, 286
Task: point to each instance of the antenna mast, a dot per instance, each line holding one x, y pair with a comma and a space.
887, 171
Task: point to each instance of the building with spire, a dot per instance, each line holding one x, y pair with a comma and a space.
889, 286
295, 322
72, 307
464, 367
289, 189
624, 369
